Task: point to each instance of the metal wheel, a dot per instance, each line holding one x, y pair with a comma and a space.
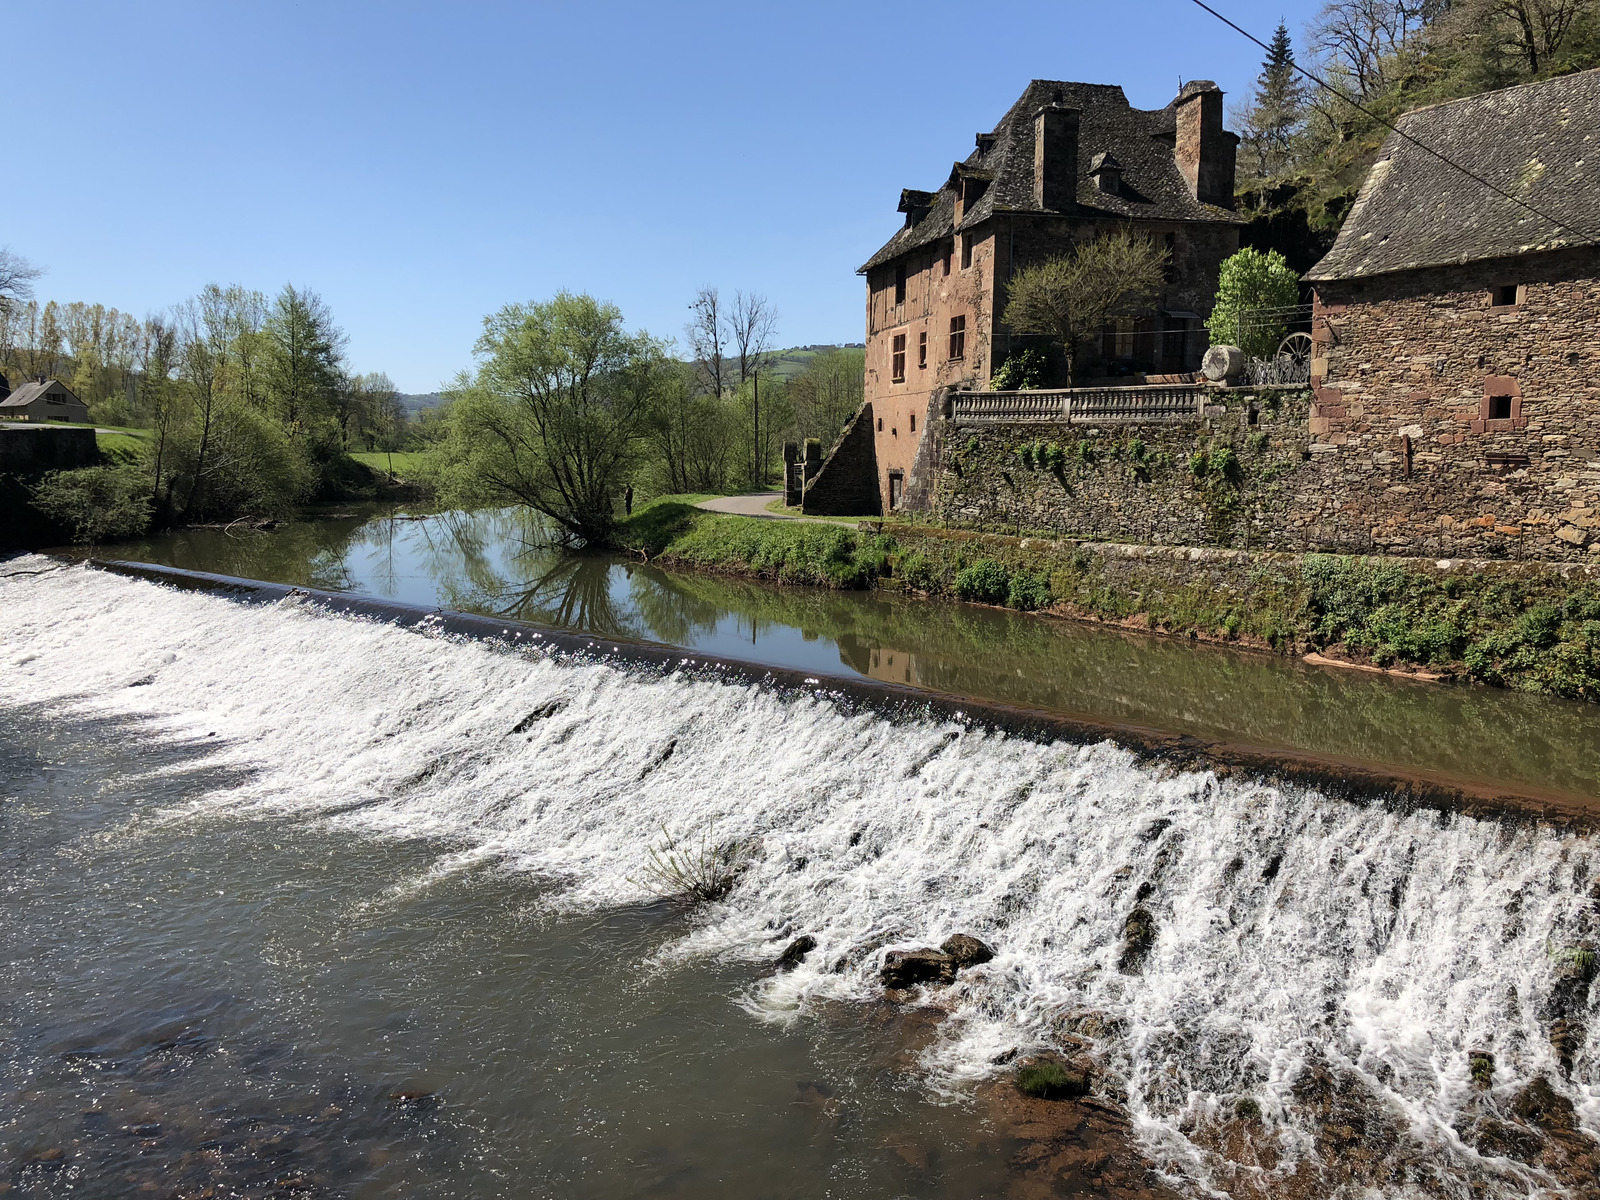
1296, 346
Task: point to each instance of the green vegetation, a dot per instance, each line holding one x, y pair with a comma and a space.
1250, 280
1304, 152
98, 503
1532, 632
1071, 299
405, 464
1049, 1080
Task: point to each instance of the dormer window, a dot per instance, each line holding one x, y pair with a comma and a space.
1106, 172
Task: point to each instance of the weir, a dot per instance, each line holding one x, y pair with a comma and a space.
1294, 991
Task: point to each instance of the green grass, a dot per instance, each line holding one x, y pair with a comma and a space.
406, 462
121, 447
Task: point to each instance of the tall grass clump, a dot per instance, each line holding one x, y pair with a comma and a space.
697, 872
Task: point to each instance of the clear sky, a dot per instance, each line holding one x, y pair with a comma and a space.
420, 165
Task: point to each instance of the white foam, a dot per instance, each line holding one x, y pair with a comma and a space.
1380, 941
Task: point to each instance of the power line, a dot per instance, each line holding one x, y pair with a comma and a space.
1423, 146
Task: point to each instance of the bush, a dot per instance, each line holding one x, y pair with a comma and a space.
1028, 591
99, 503
985, 581
1049, 1080
1020, 371
1249, 280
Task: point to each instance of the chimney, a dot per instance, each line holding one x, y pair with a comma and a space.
1203, 149
1055, 156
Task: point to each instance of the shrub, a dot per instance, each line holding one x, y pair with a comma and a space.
1028, 591
99, 503
1021, 370
1257, 441
1025, 453
1049, 1080
1251, 280
1199, 464
914, 570
696, 874
985, 581
1224, 463
1054, 457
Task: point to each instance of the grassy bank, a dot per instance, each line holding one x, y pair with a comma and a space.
1519, 626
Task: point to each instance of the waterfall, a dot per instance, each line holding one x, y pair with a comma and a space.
1335, 964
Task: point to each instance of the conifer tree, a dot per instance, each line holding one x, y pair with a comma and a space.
1274, 117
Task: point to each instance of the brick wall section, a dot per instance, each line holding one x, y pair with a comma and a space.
847, 484
1402, 429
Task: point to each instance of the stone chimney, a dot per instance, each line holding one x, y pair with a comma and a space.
1203, 149
1055, 157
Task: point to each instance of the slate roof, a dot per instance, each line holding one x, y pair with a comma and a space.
1140, 140
29, 392
1540, 142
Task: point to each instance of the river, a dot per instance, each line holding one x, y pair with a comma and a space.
302, 902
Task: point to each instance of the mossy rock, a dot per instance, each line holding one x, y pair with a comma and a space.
1051, 1079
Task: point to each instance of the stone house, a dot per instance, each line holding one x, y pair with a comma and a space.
43, 400
1456, 363
1067, 161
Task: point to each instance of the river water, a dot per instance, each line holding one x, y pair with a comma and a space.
305, 905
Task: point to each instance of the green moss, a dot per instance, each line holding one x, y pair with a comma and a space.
1050, 1080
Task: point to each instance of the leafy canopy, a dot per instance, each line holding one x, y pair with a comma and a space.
555, 416
1072, 298
1252, 280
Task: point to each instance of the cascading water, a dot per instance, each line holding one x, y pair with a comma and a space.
1326, 991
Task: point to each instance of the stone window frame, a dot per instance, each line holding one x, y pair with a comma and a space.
1520, 294
1500, 385
966, 251
897, 485
897, 358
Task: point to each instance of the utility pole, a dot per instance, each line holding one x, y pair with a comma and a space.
755, 408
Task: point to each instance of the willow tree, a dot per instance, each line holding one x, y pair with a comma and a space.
1072, 298
555, 415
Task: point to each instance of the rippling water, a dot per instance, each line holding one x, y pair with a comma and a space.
407, 888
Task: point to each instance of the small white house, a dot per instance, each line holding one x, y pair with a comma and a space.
44, 400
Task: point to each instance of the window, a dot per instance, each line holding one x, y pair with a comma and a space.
880, 424
900, 283
1504, 296
913, 422
898, 373
958, 337
922, 350
966, 251
1499, 408
949, 253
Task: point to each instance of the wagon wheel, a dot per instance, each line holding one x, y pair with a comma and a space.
1298, 348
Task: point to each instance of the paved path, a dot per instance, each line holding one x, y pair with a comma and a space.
755, 505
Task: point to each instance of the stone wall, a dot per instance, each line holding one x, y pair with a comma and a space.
1239, 477
1405, 433
847, 484
34, 449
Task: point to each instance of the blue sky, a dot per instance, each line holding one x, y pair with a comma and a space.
422, 164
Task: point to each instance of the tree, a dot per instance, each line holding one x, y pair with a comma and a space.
1252, 280
827, 393
1370, 43
1508, 41
16, 276
753, 324
1072, 298
708, 339
555, 415
303, 351
1273, 118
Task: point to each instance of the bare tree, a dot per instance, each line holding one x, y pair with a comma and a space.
1366, 41
1532, 32
708, 339
16, 276
753, 323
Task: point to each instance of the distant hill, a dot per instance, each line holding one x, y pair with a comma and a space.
786, 364
413, 403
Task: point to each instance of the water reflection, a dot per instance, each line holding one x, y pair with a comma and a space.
499, 563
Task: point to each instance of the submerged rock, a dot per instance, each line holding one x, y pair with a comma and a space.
966, 950
796, 951
1542, 1105
907, 968
1138, 935
1480, 1065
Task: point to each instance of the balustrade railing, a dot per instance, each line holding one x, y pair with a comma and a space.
1151, 402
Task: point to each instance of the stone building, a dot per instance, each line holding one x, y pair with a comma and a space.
1067, 161
1456, 362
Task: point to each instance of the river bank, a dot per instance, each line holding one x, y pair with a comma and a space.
1527, 626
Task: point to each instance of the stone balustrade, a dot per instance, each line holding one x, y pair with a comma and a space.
1153, 402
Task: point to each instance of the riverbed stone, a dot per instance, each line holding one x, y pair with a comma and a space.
794, 953
907, 968
966, 950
